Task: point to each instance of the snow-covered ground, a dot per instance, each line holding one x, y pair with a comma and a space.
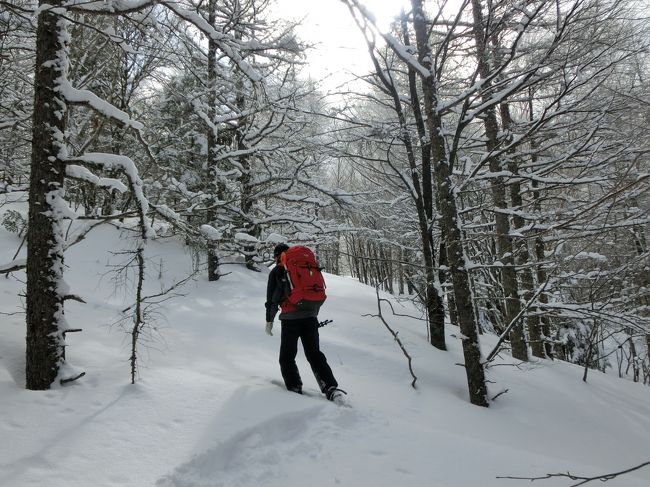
204, 411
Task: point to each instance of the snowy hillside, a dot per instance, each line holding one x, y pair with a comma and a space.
204, 411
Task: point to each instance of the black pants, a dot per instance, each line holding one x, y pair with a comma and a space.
307, 330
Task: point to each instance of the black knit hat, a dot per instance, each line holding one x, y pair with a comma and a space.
279, 248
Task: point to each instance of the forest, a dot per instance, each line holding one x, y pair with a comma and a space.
493, 167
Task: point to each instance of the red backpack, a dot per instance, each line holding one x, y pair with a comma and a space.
305, 278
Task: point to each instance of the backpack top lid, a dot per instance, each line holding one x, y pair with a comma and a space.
298, 253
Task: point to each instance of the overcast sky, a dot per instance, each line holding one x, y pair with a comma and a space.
339, 44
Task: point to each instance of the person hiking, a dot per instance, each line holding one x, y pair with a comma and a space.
297, 321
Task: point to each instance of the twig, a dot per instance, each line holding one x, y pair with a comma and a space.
177, 284
399, 342
74, 297
514, 322
505, 391
399, 314
3, 313
71, 379
22, 242
13, 267
583, 480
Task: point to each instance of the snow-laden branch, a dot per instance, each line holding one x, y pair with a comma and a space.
84, 174
402, 51
85, 97
211, 233
175, 219
340, 198
125, 165
107, 7
226, 43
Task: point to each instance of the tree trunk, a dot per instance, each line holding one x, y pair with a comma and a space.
540, 247
450, 217
45, 237
504, 242
400, 271
424, 203
246, 198
522, 255
212, 141
354, 255
634, 358
647, 348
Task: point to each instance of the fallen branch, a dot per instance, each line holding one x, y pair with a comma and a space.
399, 342
583, 480
505, 391
72, 379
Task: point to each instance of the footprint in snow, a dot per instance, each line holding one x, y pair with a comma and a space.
253, 452
259, 455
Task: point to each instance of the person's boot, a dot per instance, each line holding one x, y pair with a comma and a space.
334, 394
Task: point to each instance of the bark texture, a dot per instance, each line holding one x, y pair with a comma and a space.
44, 300
450, 218
212, 142
504, 241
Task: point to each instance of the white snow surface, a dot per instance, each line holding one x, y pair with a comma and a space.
204, 411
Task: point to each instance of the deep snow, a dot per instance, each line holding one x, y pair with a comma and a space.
205, 413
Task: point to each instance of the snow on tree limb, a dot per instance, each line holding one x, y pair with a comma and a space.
230, 46
84, 174
400, 49
86, 97
128, 167
107, 7
211, 233
244, 237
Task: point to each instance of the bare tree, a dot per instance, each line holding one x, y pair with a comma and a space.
418, 182
504, 241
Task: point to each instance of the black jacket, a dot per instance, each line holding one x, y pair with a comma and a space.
277, 290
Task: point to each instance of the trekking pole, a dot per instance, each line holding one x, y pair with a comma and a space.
323, 323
